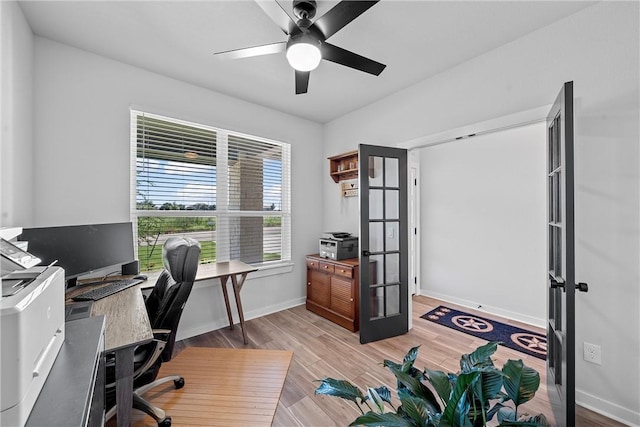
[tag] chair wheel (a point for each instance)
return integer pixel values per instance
(179, 383)
(165, 423)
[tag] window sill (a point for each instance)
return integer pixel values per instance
(271, 270)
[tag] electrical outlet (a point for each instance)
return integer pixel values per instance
(592, 353)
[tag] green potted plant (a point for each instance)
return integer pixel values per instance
(470, 398)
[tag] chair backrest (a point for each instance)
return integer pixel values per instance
(180, 256)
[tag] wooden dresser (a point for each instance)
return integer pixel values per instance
(332, 290)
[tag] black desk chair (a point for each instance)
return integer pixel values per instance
(181, 256)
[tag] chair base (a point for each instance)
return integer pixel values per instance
(158, 414)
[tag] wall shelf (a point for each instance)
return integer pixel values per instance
(344, 166)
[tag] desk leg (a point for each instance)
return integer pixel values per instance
(124, 385)
(237, 287)
(223, 282)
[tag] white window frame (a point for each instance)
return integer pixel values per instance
(222, 212)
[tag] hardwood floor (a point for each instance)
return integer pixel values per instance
(324, 349)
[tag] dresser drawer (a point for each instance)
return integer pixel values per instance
(327, 267)
(344, 271)
(313, 264)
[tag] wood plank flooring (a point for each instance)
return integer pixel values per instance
(223, 387)
(323, 349)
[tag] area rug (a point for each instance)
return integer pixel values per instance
(519, 339)
(223, 387)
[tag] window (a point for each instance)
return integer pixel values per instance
(229, 191)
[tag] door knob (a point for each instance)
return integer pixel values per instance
(557, 283)
(366, 253)
(582, 287)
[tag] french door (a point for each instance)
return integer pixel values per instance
(561, 259)
(384, 284)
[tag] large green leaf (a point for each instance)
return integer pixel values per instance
(480, 357)
(415, 408)
(458, 404)
(411, 355)
(387, 419)
(418, 389)
(376, 399)
(407, 363)
(340, 388)
(440, 382)
(409, 359)
(521, 382)
(384, 393)
(489, 384)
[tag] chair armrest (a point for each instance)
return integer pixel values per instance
(155, 351)
(158, 348)
(161, 334)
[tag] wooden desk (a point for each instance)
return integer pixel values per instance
(127, 326)
(237, 271)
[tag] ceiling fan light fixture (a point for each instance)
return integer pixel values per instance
(303, 53)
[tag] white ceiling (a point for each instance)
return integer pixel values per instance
(415, 39)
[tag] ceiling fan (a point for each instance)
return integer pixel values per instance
(307, 44)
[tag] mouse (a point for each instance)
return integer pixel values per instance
(140, 277)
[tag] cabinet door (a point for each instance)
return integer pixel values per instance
(318, 287)
(342, 296)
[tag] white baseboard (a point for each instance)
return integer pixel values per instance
(224, 321)
(608, 409)
(529, 320)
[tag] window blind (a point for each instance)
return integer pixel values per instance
(230, 191)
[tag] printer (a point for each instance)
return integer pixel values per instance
(31, 335)
(337, 245)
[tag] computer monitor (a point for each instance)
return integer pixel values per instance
(82, 249)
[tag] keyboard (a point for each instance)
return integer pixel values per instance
(105, 291)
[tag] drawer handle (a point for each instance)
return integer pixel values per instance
(351, 300)
(326, 266)
(308, 283)
(312, 263)
(342, 270)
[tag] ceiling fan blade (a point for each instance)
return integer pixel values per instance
(302, 81)
(340, 15)
(344, 57)
(265, 49)
(278, 15)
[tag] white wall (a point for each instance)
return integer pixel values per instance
(597, 48)
(484, 222)
(81, 151)
(16, 97)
